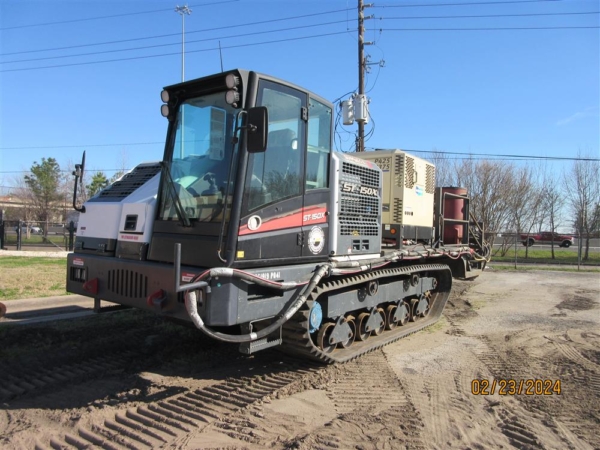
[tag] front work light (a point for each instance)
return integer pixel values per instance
(164, 95)
(164, 110)
(232, 97)
(232, 81)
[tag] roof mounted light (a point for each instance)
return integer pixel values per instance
(232, 97)
(164, 96)
(164, 110)
(232, 81)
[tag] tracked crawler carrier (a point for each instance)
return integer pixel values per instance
(256, 232)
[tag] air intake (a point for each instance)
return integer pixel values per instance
(127, 283)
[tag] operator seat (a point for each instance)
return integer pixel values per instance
(280, 155)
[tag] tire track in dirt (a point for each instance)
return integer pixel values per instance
(531, 420)
(373, 406)
(580, 380)
(39, 379)
(174, 421)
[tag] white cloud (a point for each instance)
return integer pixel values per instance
(587, 112)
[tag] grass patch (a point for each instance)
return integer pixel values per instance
(522, 267)
(32, 277)
(439, 325)
(37, 239)
(544, 256)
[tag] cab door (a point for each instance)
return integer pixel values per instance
(272, 210)
(316, 207)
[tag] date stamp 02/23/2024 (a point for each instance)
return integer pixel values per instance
(515, 387)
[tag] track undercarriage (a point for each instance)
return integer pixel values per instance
(353, 314)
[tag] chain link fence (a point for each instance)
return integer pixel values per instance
(519, 249)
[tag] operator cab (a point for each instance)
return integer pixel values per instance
(211, 178)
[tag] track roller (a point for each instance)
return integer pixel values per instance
(348, 342)
(390, 319)
(324, 337)
(415, 294)
(379, 329)
(402, 313)
(361, 327)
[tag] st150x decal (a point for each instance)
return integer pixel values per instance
(314, 216)
(356, 189)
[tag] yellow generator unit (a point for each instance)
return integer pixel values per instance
(407, 200)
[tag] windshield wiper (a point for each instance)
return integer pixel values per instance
(185, 221)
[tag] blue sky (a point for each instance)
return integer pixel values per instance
(532, 92)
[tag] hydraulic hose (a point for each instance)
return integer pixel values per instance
(192, 309)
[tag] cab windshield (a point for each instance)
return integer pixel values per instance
(199, 166)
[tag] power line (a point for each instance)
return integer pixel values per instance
(262, 22)
(300, 38)
(176, 43)
(511, 157)
(109, 17)
(489, 16)
(419, 5)
(171, 54)
(439, 152)
(82, 146)
(495, 28)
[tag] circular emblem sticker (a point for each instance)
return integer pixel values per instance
(316, 240)
(254, 223)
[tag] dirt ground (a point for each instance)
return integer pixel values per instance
(130, 380)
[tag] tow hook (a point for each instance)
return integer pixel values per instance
(157, 300)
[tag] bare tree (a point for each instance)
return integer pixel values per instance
(27, 212)
(524, 202)
(123, 167)
(552, 204)
(443, 168)
(488, 184)
(582, 185)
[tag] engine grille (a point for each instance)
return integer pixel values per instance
(128, 283)
(359, 213)
(129, 183)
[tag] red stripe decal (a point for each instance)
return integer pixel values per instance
(309, 215)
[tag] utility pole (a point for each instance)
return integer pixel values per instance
(356, 108)
(362, 65)
(182, 11)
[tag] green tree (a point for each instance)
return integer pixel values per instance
(99, 182)
(43, 183)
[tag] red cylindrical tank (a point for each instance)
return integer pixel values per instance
(454, 209)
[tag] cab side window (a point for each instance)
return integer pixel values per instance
(319, 145)
(276, 174)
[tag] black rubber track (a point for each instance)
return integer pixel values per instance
(296, 336)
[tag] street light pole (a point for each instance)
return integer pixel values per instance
(182, 11)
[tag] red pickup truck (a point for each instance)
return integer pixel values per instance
(546, 238)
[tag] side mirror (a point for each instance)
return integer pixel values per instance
(257, 129)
